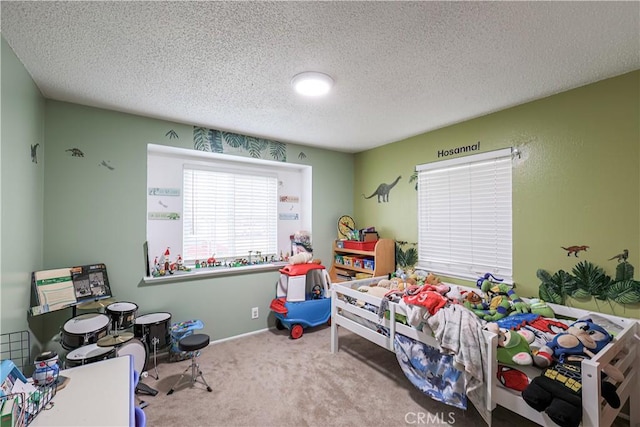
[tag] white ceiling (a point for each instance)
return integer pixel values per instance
(400, 68)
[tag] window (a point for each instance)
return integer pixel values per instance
(464, 216)
(228, 213)
(202, 204)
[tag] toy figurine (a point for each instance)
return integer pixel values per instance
(500, 300)
(167, 264)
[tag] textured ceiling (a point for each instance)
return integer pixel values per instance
(400, 68)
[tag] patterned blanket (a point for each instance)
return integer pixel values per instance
(431, 372)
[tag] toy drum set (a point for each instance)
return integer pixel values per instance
(93, 337)
(153, 329)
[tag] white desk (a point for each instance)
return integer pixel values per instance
(98, 394)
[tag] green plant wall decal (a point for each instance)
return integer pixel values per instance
(408, 258)
(555, 288)
(589, 280)
(216, 141)
(625, 292)
(414, 178)
(624, 271)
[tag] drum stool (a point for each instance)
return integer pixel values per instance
(192, 343)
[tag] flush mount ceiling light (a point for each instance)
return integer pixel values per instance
(311, 83)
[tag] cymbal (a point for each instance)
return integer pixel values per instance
(92, 305)
(111, 340)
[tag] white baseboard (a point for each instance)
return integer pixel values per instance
(238, 336)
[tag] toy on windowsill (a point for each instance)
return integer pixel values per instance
(302, 252)
(558, 391)
(164, 266)
(164, 260)
(500, 300)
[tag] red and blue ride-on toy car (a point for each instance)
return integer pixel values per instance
(302, 298)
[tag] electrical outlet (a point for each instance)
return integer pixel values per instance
(254, 313)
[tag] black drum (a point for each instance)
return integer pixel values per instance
(88, 354)
(84, 329)
(122, 315)
(154, 329)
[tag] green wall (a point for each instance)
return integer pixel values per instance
(576, 183)
(21, 189)
(93, 214)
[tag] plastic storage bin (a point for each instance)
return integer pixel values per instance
(361, 246)
(369, 264)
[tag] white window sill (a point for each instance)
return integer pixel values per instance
(201, 273)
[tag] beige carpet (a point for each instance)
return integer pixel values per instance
(267, 379)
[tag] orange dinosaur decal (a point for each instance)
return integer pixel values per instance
(574, 249)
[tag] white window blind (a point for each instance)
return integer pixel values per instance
(228, 213)
(464, 216)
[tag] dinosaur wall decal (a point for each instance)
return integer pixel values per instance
(621, 257)
(383, 191)
(574, 249)
(75, 152)
(172, 134)
(106, 165)
(34, 152)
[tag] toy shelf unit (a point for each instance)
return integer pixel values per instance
(360, 260)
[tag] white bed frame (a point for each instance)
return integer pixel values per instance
(623, 352)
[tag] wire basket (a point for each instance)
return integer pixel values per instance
(19, 408)
(15, 346)
(25, 406)
(42, 398)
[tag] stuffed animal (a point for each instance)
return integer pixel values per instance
(470, 297)
(513, 346)
(377, 291)
(541, 328)
(300, 258)
(583, 338)
(501, 300)
(558, 391)
(540, 307)
(431, 279)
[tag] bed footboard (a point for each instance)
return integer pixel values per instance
(622, 353)
(365, 323)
